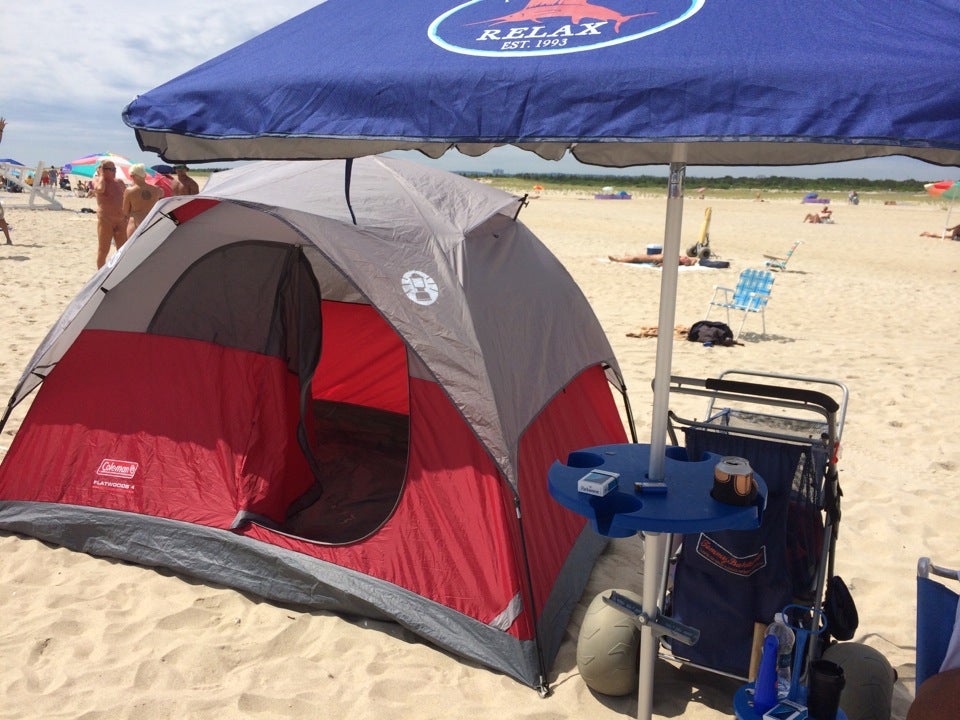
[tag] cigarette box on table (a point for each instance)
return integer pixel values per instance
(598, 482)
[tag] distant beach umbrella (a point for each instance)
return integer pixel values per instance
(87, 165)
(945, 188)
(948, 189)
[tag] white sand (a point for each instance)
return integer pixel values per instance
(868, 302)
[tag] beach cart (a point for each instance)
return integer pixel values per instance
(729, 585)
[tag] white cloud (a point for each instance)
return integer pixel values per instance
(69, 68)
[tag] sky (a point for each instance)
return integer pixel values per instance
(69, 67)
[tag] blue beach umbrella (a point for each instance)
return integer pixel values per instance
(615, 83)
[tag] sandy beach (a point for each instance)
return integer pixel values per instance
(866, 301)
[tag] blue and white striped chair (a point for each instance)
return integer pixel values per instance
(750, 296)
(777, 262)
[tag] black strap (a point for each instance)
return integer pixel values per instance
(348, 171)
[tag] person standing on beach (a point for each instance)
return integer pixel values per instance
(183, 184)
(111, 219)
(139, 199)
(3, 221)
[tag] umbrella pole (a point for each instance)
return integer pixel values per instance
(946, 223)
(667, 318)
(654, 544)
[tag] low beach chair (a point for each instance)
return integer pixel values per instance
(779, 262)
(750, 296)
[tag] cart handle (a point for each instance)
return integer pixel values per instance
(805, 395)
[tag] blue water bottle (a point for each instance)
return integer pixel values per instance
(765, 689)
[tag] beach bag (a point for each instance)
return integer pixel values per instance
(704, 331)
(841, 611)
(714, 263)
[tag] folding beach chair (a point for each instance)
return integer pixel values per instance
(778, 262)
(750, 296)
(936, 618)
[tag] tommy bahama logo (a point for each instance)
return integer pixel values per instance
(543, 27)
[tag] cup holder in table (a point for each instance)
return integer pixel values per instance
(583, 459)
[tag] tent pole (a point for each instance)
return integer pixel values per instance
(654, 544)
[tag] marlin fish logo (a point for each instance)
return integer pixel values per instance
(552, 27)
(577, 10)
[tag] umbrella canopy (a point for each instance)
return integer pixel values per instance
(10, 161)
(949, 189)
(614, 82)
(739, 83)
(88, 164)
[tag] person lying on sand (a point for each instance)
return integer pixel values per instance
(952, 233)
(651, 259)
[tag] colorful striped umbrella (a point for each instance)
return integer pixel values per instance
(949, 189)
(88, 164)
(945, 188)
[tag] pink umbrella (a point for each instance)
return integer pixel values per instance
(161, 181)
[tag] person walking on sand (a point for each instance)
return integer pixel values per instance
(139, 199)
(183, 184)
(111, 219)
(3, 221)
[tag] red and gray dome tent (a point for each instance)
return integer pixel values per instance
(345, 406)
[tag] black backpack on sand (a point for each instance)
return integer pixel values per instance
(709, 331)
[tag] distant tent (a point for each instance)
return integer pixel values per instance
(356, 416)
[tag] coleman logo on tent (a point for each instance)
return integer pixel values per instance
(121, 469)
(420, 287)
(549, 27)
(118, 468)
